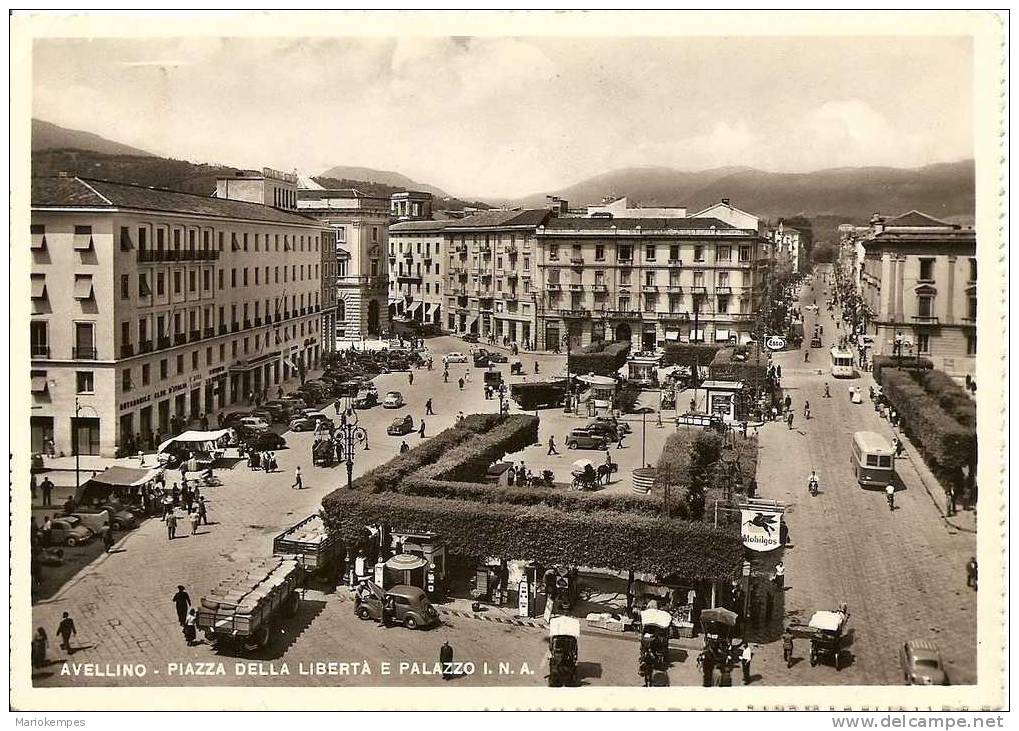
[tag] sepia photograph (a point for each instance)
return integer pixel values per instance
(507, 360)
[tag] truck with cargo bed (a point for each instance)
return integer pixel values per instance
(308, 543)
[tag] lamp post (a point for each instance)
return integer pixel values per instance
(350, 435)
(569, 381)
(503, 408)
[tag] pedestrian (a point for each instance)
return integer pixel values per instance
(181, 602)
(70, 505)
(467, 377)
(446, 660)
(461, 382)
(774, 413)
(193, 519)
(787, 649)
(619, 439)
(203, 515)
(744, 660)
(191, 627)
(537, 368)
(66, 630)
(788, 403)
(421, 429)
(779, 371)
(971, 573)
(40, 643)
(789, 419)
(752, 488)
(167, 503)
(780, 576)
(47, 491)
(445, 376)
(428, 408)
(827, 393)
(175, 494)
(298, 482)
(410, 378)
(171, 525)
(188, 497)
(108, 538)
(404, 447)
(551, 446)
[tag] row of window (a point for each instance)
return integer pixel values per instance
(191, 238)
(651, 279)
(927, 269)
(295, 272)
(625, 252)
(677, 303)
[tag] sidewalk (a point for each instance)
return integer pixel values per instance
(963, 520)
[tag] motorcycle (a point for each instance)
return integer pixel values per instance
(813, 487)
(890, 497)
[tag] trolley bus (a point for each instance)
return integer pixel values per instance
(842, 363)
(872, 459)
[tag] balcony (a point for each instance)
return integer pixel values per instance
(577, 261)
(925, 319)
(40, 351)
(696, 289)
(208, 332)
(675, 262)
(147, 256)
(675, 316)
(162, 343)
(195, 335)
(511, 249)
(574, 313)
(511, 275)
(145, 346)
(553, 286)
(624, 261)
(623, 314)
(675, 288)
(223, 329)
(246, 324)
(649, 288)
(126, 350)
(180, 339)
(485, 249)
(235, 327)
(84, 353)
(599, 288)
(408, 255)
(723, 290)
(576, 287)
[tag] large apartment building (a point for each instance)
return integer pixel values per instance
(919, 282)
(417, 266)
(650, 281)
(149, 304)
(360, 225)
(491, 274)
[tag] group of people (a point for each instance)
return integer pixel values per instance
(262, 460)
(187, 615)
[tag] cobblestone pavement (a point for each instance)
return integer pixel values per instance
(902, 573)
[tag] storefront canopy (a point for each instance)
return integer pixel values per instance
(125, 476)
(196, 437)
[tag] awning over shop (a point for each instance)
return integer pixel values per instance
(39, 384)
(745, 338)
(125, 476)
(593, 380)
(672, 334)
(414, 307)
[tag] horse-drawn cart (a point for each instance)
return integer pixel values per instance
(826, 632)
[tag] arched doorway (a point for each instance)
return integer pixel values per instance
(623, 332)
(373, 317)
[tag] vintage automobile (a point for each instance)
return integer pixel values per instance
(563, 636)
(815, 342)
(454, 357)
(470, 338)
(498, 357)
(393, 400)
(585, 439)
(366, 399)
(69, 530)
(410, 604)
(279, 412)
(260, 441)
(253, 422)
(482, 358)
(310, 422)
(921, 663)
(400, 427)
(621, 427)
(605, 428)
(493, 378)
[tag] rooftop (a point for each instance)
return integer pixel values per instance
(421, 226)
(76, 192)
(502, 219)
(645, 224)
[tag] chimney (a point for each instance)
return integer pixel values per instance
(725, 201)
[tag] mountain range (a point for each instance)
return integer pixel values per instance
(943, 190)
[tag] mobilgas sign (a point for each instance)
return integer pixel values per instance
(761, 529)
(774, 342)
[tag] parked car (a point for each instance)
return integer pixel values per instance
(366, 399)
(412, 608)
(621, 427)
(498, 357)
(257, 423)
(585, 439)
(921, 663)
(400, 427)
(470, 338)
(393, 400)
(261, 441)
(232, 418)
(604, 428)
(481, 358)
(69, 530)
(310, 422)
(282, 411)
(454, 357)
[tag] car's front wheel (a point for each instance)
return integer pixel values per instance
(411, 623)
(71, 541)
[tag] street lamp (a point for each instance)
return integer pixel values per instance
(569, 381)
(350, 435)
(503, 406)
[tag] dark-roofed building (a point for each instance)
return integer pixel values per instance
(152, 307)
(417, 264)
(649, 280)
(919, 286)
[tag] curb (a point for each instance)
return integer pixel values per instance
(346, 596)
(919, 473)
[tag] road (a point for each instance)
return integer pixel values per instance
(902, 573)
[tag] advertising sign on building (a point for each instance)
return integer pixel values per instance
(761, 529)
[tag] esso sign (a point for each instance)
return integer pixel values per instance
(774, 343)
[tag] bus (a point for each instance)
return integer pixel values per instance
(842, 363)
(872, 459)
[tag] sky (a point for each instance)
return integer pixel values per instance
(504, 117)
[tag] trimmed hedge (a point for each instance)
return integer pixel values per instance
(880, 362)
(945, 444)
(531, 396)
(674, 464)
(472, 457)
(688, 354)
(539, 533)
(950, 395)
(724, 366)
(599, 358)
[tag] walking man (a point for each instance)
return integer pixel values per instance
(181, 602)
(47, 491)
(551, 446)
(461, 382)
(428, 408)
(971, 573)
(410, 378)
(298, 482)
(202, 514)
(171, 525)
(66, 630)
(787, 649)
(421, 430)
(404, 447)
(744, 660)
